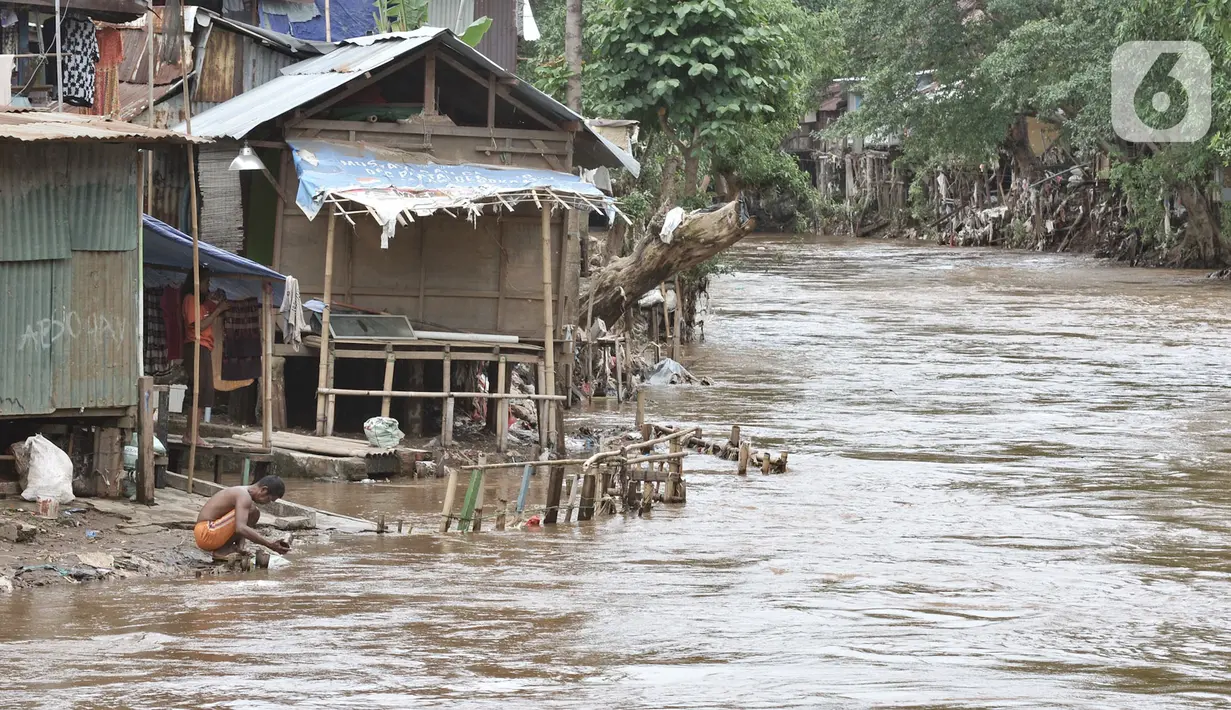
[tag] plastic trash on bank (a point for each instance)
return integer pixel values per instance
(383, 432)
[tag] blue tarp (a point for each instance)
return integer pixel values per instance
(381, 180)
(171, 249)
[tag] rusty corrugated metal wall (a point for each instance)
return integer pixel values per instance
(69, 318)
(94, 298)
(500, 42)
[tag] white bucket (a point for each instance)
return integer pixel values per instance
(177, 394)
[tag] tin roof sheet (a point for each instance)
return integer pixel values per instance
(311, 79)
(29, 126)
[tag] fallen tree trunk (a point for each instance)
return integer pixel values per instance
(617, 286)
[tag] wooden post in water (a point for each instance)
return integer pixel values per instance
(640, 408)
(745, 453)
(555, 482)
(446, 514)
(765, 463)
(570, 485)
(647, 496)
(478, 504)
(588, 485)
(502, 514)
(735, 436)
(784, 455)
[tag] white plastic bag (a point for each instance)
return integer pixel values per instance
(383, 432)
(51, 471)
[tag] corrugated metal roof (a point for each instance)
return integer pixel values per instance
(31, 126)
(94, 362)
(311, 79)
(26, 335)
(33, 223)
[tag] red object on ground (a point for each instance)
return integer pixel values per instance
(533, 522)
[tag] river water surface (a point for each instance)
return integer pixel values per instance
(1009, 488)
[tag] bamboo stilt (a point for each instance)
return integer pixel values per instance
(446, 513)
(322, 378)
(549, 349)
(446, 415)
(502, 405)
(745, 453)
(640, 408)
(478, 505)
(679, 310)
(267, 358)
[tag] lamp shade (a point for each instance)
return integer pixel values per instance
(247, 160)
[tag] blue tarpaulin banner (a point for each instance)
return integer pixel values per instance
(389, 184)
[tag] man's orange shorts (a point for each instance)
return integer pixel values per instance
(213, 534)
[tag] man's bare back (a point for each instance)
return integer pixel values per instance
(230, 516)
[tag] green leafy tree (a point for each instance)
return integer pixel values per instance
(995, 61)
(696, 70)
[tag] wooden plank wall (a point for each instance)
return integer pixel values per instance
(483, 278)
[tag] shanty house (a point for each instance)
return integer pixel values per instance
(70, 270)
(418, 178)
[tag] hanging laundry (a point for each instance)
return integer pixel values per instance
(173, 320)
(221, 383)
(294, 325)
(79, 44)
(107, 72)
(241, 350)
(156, 360)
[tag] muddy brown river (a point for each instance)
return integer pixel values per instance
(1010, 488)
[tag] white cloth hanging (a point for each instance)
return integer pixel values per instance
(294, 325)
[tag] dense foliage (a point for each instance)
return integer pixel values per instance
(716, 85)
(996, 61)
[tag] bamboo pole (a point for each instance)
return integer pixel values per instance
(619, 374)
(502, 405)
(446, 513)
(679, 309)
(323, 371)
(267, 356)
(590, 346)
(745, 453)
(478, 505)
(194, 216)
(446, 411)
(549, 387)
(328, 24)
(640, 408)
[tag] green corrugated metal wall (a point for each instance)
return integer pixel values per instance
(68, 274)
(33, 221)
(26, 333)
